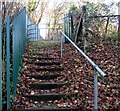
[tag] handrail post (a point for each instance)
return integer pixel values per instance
(95, 90)
(61, 46)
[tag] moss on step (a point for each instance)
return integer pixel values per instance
(43, 44)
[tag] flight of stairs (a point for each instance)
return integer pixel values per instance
(45, 63)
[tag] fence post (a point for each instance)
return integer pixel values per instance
(95, 90)
(61, 45)
(34, 33)
(118, 25)
(37, 33)
(67, 25)
(69, 28)
(0, 64)
(72, 27)
(64, 27)
(8, 60)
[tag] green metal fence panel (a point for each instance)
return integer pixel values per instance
(0, 64)
(8, 60)
(19, 42)
(68, 26)
(65, 26)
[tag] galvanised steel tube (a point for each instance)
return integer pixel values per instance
(95, 91)
(91, 62)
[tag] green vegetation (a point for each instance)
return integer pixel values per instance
(43, 44)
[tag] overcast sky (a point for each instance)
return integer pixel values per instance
(103, 1)
(52, 2)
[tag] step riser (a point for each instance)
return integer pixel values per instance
(44, 77)
(45, 86)
(44, 64)
(46, 58)
(40, 58)
(45, 69)
(44, 97)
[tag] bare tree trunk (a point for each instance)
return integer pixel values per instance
(85, 29)
(106, 28)
(118, 41)
(43, 7)
(78, 27)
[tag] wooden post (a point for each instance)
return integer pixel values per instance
(72, 26)
(0, 57)
(118, 25)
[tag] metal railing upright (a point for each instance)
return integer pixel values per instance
(96, 68)
(33, 31)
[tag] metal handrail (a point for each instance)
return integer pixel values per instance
(93, 64)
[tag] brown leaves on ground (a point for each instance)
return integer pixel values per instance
(79, 73)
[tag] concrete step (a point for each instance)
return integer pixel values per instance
(36, 53)
(44, 77)
(45, 86)
(40, 58)
(43, 63)
(46, 63)
(46, 69)
(46, 97)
